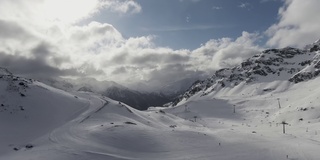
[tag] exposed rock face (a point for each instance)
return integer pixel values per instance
(312, 70)
(113, 90)
(5, 72)
(15, 83)
(290, 64)
(137, 100)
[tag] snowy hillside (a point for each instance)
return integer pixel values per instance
(257, 110)
(136, 99)
(176, 88)
(203, 128)
(29, 109)
(287, 64)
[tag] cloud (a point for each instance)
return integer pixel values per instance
(188, 19)
(298, 24)
(159, 66)
(119, 70)
(169, 73)
(184, 28)
(31, 45)
(29, 37)
(10, 29)
(225, 52)
(216, 7)
(139, 59)
(40, 12)
(121, 6)
(33, 67)
(94, 35)
(244, 5)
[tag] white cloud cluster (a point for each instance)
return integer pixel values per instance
(121, 6)
(64, 11)
(32, 44)
(225, 52)
(298, 25)
(217, 8)
(244, 5)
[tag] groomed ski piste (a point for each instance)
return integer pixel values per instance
(242, 123)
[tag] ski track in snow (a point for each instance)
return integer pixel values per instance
(100, 132)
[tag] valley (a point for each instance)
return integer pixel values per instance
(159, 80)
(204, 127)
(266, 108)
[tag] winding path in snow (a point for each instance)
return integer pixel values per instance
(100, 133)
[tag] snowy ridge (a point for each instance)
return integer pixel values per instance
(309, 72)
(136, 99)
(29, 109)
(241, 122)
(287, 64)
(4, 72)
(176, 88)
(238, 113)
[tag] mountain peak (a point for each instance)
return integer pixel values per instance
(286, 64)
(314, 46)
(5, 72)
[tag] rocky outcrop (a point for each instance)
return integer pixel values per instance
(291, 64)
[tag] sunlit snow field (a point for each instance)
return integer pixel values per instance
(233, 123)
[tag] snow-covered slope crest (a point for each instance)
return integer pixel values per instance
(242, 126)
(136, 99)
(313, 69)
(29, 109)
(4, 72)
(115, 131)
(286, 64)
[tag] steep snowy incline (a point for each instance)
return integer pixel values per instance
(202, 128)
(117, 131)
(29, 109)
(257, 110)
(134, 98)
(254, 113)
(287, 64)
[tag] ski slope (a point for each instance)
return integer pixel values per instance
(30, 109)
(83, 126)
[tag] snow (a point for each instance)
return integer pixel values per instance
(242, 122)
(23, 119)
(4, 71)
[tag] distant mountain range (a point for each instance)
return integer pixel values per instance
(286, 64)
(136, 99)
(29, 109)
(254, 110)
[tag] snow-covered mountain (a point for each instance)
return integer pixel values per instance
(5, 72)
(84, 84)
(287, 64)
(176, 88)
(29, 109)
(257, 110)
(136, 99)
(239, 122)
